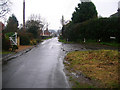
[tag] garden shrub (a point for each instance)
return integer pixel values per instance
(25, 38)
(5, 43)
(33, 42)
(14, 47)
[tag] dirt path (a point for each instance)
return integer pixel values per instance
(82, 47)
(21, 48)
(99, 46)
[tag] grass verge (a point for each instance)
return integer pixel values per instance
(114, 44)
(6, 52)
(64, 41)
(110, 44)
(100, 65)
(77, 84)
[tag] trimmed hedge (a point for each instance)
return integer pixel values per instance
(94, 29)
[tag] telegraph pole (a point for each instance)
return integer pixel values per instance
(24, 15)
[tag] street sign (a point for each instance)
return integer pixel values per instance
(112, 37)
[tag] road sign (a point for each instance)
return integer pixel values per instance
(112, 37)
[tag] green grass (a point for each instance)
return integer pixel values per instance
(64, 41)
(70, 78)
(6, 52)
(114, 44)
(79, 85)
(110, 44)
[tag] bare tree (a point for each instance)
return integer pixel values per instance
(37, 18)
(85, 0)
(4, 7)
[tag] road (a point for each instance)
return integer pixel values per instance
(42, 67)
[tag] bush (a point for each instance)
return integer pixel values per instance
(38, 40)
(5, 43)
(25, 38)
(14, 47)
(33, 42)
(7, 35)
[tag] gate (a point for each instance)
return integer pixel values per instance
(13, 39)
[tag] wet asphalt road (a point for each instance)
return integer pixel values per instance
(42, 67)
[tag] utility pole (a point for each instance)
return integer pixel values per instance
(24, 15)
(62, 21)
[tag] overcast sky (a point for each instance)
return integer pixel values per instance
(52, 10)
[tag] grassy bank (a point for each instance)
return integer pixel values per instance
(6, 52)
(114, 44)
(100, 65)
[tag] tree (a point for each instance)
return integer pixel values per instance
(31, 23)
(5, 43)
(34, 25)
(4, 7)
(63, 23)
(36, 20)
(34, 31)
(84, 11)
(12, 24)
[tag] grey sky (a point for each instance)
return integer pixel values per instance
(52, 10)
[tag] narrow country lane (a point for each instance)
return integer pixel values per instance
(42, 67)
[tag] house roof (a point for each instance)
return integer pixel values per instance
(117, 14)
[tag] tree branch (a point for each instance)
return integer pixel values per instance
(4, 7)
